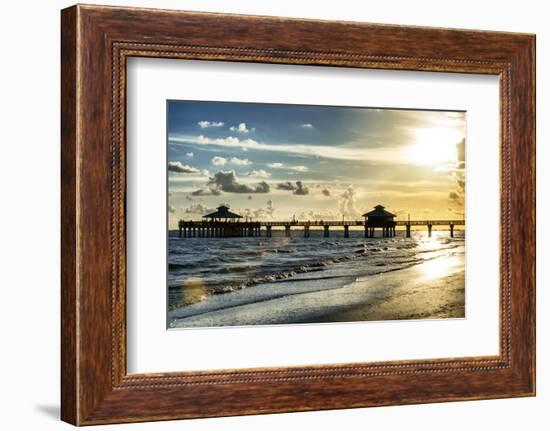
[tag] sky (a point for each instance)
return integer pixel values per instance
(279, 161)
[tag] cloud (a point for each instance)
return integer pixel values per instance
(207, 191)
(297, 168)
(208, 124)
(190, 155)
(259, 213)
(239, 162)
(260, 173)
(347, 202)
(301, 189)
(286, 186)
(461, 151)
(325, 192)
(384, 154)
(457, 199)
(221, 161)
(241, 128)
(218, 161)
(307, 126)
(181, 168)
(270, 209)
(197, 209)
(457, 196)
(322, 215)
(298, 188)
(228, 182)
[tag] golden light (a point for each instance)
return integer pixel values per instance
(438, 267)
(193, 290)
(434, 146)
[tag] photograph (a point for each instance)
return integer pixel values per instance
(296, 214)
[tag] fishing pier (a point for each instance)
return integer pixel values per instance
(224, 224)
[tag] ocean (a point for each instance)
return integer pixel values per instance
(259, 280)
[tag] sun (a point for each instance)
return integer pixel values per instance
(434, 146)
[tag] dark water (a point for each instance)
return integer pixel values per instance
(201, 267)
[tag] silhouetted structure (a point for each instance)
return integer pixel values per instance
(222, 213)
(224, 223)
(381, 218)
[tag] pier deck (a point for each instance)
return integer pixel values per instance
(223, 229)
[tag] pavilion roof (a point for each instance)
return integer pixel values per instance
(379, 211)
(222, 212)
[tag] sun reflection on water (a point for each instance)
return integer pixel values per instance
(437, 265)
(193, 290)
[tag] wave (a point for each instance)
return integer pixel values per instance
(230, 265)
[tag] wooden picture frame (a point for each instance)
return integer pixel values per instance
(95, 43)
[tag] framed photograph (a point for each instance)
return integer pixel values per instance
(289, 243)
(264, 215)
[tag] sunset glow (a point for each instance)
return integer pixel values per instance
(435, 146)
(280, 162)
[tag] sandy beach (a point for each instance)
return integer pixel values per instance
(426, 294)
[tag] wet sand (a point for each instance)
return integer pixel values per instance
(433, 290)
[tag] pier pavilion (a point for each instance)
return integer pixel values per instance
(381, 218)
(222, 223)
(222, 214)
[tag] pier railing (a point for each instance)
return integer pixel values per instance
(222, 229)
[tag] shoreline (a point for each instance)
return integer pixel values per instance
(422, 298)
(433, 289)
